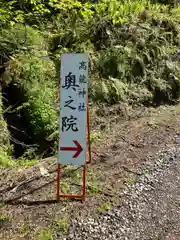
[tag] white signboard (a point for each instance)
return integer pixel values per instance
(73, 104)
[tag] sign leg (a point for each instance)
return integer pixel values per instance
(58, 182)
(88, 132)
(84, 183)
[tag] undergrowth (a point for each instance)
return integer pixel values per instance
(133, 49)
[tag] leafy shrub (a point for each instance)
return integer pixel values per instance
(20, 37)
(138, 68)
(5, 147)
(43, 118)
(35, 75)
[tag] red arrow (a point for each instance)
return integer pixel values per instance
(78, 149)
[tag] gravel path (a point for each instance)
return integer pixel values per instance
(150, 208)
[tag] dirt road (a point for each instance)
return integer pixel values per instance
(149, 209)
(133, 188)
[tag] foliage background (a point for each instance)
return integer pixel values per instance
(133, 47)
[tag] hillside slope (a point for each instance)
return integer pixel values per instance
(134, 60)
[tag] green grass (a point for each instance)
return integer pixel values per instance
(23, 228)
(45, 234)
(104, 207)
(130, 180)
(4, 218)
(61, 225)
(21, 162)
(65, 187)
(93, 187)
(95, 136)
